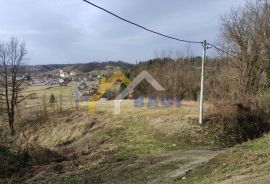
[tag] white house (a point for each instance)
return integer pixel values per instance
(64, 74)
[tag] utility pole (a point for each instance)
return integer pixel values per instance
(202, 82)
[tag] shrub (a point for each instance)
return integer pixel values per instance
(12, 161)
(232, 123)
(52, 99)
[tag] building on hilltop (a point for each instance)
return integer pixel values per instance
(65, 74)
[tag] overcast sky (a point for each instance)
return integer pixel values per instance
(71, 31)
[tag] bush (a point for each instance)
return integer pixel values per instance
(233, 123)
(52, 99)
(263, 103)
(11, 162)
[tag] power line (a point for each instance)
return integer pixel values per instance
(142, 27)
(230, 54)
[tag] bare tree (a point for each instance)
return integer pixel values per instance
(245, 33)
(12, 58)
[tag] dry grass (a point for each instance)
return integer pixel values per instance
(102, 147)
(248, 159)
(82, 141)
(244, 163)
(41, 92)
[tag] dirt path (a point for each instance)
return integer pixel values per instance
(180, 162)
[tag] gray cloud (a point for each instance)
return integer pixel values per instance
(61, 31)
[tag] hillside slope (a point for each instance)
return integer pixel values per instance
(247, 163)
(137, 147)
(80, 67)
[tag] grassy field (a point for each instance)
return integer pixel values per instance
(246, 164)
(41, 96)
(136, 146)
(42, 93)
(139, 145)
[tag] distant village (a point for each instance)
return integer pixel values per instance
(84, 86)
